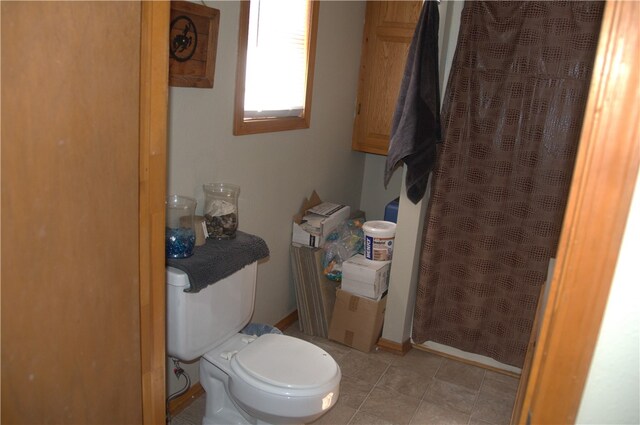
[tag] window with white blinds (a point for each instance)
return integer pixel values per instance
(275, 65)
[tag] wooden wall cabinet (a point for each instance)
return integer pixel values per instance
(388, 31)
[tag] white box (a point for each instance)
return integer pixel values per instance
(365, 277)
(318, 222)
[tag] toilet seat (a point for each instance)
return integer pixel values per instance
(285, 365)
(277, 378)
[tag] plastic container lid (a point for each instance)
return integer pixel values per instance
(380, 228)
(286, 362)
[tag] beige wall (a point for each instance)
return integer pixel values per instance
(375, 196)
(611, 392)
(275, 171)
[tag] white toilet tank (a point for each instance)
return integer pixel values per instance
(198, 322)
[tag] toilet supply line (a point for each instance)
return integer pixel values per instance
(179, 372)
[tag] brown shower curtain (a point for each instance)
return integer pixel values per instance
(512, 116)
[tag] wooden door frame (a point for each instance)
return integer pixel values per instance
(154, 71)
(603, 183)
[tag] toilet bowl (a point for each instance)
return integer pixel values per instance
(270, 379)
(273, 378)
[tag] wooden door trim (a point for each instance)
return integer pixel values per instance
(603, 183)
(154, 66)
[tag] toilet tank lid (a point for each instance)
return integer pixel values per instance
(286, 362)
(177, 277)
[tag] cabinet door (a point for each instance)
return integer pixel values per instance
(388, 31)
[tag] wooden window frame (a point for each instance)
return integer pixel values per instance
(267, 125)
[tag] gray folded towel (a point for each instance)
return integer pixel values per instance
(217, 259)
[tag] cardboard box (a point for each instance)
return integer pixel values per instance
(365, 277)
(357, 321)
(316, 220)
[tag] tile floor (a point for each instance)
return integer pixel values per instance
(419, 388)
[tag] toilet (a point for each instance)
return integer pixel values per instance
(267, 379)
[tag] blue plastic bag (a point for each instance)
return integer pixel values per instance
(343, 243)
(258, 329)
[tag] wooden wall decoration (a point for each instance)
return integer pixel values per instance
(193, 42)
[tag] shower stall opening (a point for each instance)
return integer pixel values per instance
(512, 115)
